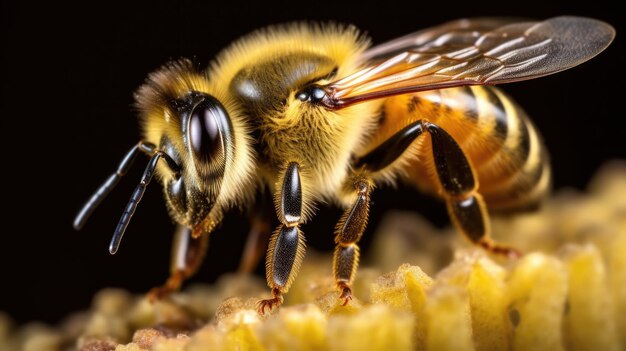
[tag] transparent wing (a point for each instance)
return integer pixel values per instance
(470, 52)
(464, 31)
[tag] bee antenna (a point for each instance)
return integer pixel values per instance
(111, 182)
(137, 195)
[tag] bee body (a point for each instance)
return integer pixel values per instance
(501, 142)
(313, 114)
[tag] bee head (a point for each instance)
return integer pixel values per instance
(203, 133)
(202, 148)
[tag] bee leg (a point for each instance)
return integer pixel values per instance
(260, 230)
(465, 205)
(187, 255)
(348, 232)
(456, 176)
(286, 247)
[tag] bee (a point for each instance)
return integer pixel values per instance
(304, 113)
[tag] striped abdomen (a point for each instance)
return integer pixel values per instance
(504, 148)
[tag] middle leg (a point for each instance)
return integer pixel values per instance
(348, 232)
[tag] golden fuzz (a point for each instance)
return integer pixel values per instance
(334, 135)
(342, 44)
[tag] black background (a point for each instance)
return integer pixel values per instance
(68, 74)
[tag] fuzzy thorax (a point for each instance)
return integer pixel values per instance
(265, 71)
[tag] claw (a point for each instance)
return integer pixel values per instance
(275, 301)
(346, 293)
(509, 252)
(171, 285)
(158, 293)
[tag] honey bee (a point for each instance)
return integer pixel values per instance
(308, 113)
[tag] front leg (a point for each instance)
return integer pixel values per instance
(259, 235)
(286, 247)
(187, 256)
(348, 232)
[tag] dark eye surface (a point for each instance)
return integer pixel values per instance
(205, 134)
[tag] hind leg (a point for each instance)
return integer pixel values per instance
(455, 174)
(466, 206)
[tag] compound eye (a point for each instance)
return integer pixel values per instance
(205, 129)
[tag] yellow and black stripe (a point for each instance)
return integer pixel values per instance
(505, 150)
